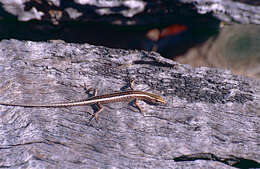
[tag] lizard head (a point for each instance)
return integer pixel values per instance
(155, 99)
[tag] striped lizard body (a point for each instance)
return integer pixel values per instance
(102, 99)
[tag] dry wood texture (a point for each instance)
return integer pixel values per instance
(211, 119)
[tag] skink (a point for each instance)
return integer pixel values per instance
(102, 99)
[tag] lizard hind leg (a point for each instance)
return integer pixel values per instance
(132, 81)
(88, 90)
(138, 106)
(95, 114)
(100, 107)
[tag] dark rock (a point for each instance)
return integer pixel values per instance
(116, 12)
(131, 12)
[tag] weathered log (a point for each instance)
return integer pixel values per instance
(211, 119)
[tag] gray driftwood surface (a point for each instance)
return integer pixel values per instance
(211, 119)
(241, 11)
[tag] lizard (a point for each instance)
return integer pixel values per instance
(102, 99)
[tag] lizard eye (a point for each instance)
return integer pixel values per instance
(155, 101)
